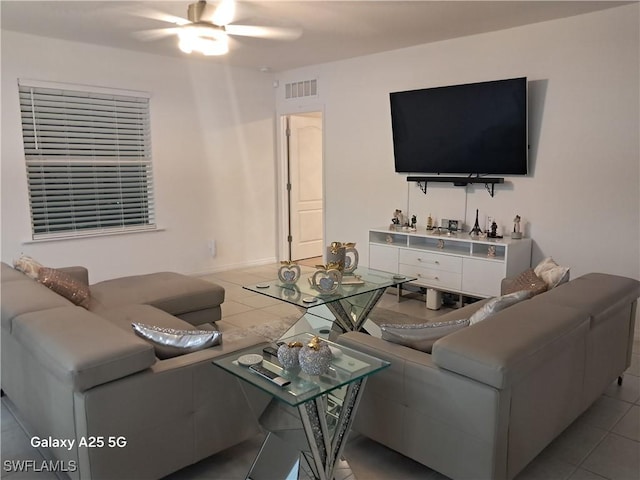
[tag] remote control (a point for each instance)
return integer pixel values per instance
(269, 375)
(271, 351)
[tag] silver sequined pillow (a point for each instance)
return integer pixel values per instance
(169, 342)
(497, 304)
(420, 336)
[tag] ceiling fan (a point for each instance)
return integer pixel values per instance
(207, 28)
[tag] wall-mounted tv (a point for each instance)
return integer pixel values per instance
(474, 129)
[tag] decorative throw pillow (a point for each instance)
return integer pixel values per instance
(28, 266)
(420, 336)
(552, 273)
(498, 303)
(527, 280)
(65, 285)
(169, 342)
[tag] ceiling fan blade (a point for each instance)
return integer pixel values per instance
(156, 33)
(224, 13)
(158, 15)
(276, 33)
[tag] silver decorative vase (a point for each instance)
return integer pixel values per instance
(315, 357)
(288, 355)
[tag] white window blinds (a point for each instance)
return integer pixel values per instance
(88, 158)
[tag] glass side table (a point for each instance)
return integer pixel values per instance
(349, 306)
(308, 420)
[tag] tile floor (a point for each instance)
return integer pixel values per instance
(604, 443)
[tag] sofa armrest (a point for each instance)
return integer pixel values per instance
(81, 274)
(80, 348)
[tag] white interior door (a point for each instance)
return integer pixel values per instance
(305, 179)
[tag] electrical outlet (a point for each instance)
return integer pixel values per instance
(212, 247)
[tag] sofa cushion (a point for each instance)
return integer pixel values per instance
(65, 285)
(172, 292)
(10, 274)
(171, 342)
(27, 295)
(420, 336)
(81, 348)
(124, 315)
(496, 304)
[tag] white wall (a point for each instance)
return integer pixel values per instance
(214, 154)
(581, 203)
(212, 131)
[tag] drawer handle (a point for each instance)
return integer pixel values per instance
(435, 261)
(419, 275)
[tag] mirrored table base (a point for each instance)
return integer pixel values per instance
(306, 442)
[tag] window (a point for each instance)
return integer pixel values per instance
(88, 158)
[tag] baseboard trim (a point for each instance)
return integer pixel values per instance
(233, 266)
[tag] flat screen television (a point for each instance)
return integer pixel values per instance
(474, 129)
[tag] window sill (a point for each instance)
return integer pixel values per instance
(92, 235)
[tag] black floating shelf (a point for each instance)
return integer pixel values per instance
(489, 182)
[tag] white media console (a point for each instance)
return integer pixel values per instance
(452, 263)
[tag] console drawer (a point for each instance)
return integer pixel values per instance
(436, 261)
(431, 277)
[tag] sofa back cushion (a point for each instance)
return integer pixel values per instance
(21, 294)
(506, 347)
(596, 294)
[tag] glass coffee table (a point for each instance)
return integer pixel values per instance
(345, 310)
(308, 420)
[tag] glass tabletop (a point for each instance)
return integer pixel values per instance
(347, 365)
(304, 294)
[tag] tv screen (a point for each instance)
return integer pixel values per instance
(476, 128)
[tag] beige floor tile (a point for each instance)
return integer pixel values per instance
(605, 412)
(629, 425)
(543, 468)
(369, 460)
(285, 310)
(581, 474)
(575, 443)
(617, 458)
(231, 307)
(629, 391)
(258, 301)
(251, 318)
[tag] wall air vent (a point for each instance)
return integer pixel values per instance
(306, 88)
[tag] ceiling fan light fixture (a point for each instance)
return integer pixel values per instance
(207, 40)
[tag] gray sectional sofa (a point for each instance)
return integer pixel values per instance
(492, 395)
(82, 374)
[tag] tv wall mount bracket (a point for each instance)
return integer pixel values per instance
(489, 182)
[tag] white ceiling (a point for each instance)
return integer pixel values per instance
(332, 30)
